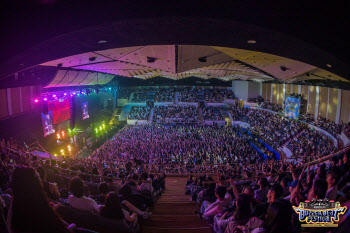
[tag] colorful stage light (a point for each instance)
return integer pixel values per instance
(100, 128)
(65, 94)
(45, 99)
(55, 155)
(103, 125)
(54, 96)
(36, 100)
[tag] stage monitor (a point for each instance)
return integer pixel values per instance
(292, 109)
(47, 123)
(60, 109)
(85, 110)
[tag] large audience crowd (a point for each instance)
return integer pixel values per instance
(139, 113)
(328, 125)
(175, 114)
(274, 129)
(262, 201)
(117, 184)
(271, 106)
(184, 94)
(165, 95)
(213, 113)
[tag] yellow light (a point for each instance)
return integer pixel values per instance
(69, 149)
(62, 150)
(55, 155)
(100, 128)
(103, 125)
(68, 146)
(58, 136)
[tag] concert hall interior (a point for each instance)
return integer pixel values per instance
(164, 116)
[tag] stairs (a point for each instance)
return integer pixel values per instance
(150, 119)
(201, 118)
(116, 115)
(175, 98)
(230, 116)
(174, 212)
(131, 96)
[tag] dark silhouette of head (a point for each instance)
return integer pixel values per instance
(31, 211)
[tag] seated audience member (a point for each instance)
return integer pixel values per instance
(332, 181)
(78, 200)
(277, 220)
(30, 210)
(113, 209)
(261, 193)
(211, 209)
(103, 190)
(50, 189)
(240, 216)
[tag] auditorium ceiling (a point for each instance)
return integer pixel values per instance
(181, 61)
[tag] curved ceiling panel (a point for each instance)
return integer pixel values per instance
(180, 61)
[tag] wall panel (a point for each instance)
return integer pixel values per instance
(3, 103)
(312, 100)
(323, 102)
(15, 101)
(280, 94)
(295, 89)
(333, 103)
(26, 100)
(288, 89)
(264, 91)
(268, 91)
(345, 106)
(274, 93)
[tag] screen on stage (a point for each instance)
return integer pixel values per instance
(60, 110)
(47, 123)
(292, 109)
(85, 110)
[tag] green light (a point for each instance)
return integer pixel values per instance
(103, 125)
(100, 128)
(96, 129)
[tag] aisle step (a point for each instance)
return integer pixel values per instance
(176, 224)
(176, 218)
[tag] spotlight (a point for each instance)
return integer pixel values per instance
(202, 59)
(45, 99)
(55, 155)
(100, 128)
(54, 96)
(65, 94)
(151, 59)
(36, 100)
(92, 58)
(283, 68)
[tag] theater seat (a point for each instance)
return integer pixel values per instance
(91, 221)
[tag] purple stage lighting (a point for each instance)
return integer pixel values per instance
(36, 100)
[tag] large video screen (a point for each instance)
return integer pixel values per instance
(292, 109)
(85, 110)
(60, 110)
(47, 123)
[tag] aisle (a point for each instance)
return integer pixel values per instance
(174, 212)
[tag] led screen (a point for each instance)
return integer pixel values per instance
(292, 109)
(60, 110)
(85, 110)
(47, 123)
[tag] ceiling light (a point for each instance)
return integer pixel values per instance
(102, 41)
(251, 41)
(328, 65)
